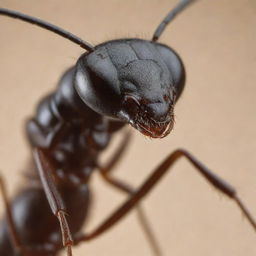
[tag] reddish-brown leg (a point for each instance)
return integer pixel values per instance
(145, 224)
(153, 179)
(45, 171)
(127, 189)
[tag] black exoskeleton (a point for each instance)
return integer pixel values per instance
(119, 82)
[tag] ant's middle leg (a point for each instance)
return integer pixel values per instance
(153, 179)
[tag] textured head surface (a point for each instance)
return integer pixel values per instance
(132, 80)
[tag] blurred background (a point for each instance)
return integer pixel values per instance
(215, 117)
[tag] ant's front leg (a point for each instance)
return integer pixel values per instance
(106, 174)
(13, 235)
(45, 171)
(153, 179)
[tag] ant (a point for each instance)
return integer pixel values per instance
(60, 138)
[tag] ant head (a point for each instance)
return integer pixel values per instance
(133, 80)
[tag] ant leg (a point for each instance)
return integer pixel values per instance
(17, 245)
(45, 171)
(145, 224)
(124, 187)
(119, 152)
(153, 179)
(19, 248)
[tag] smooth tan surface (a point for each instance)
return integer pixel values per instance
(215, 118)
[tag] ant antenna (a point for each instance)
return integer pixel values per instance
(43, 24)
(170, 16)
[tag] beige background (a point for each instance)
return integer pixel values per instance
(215, 118)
